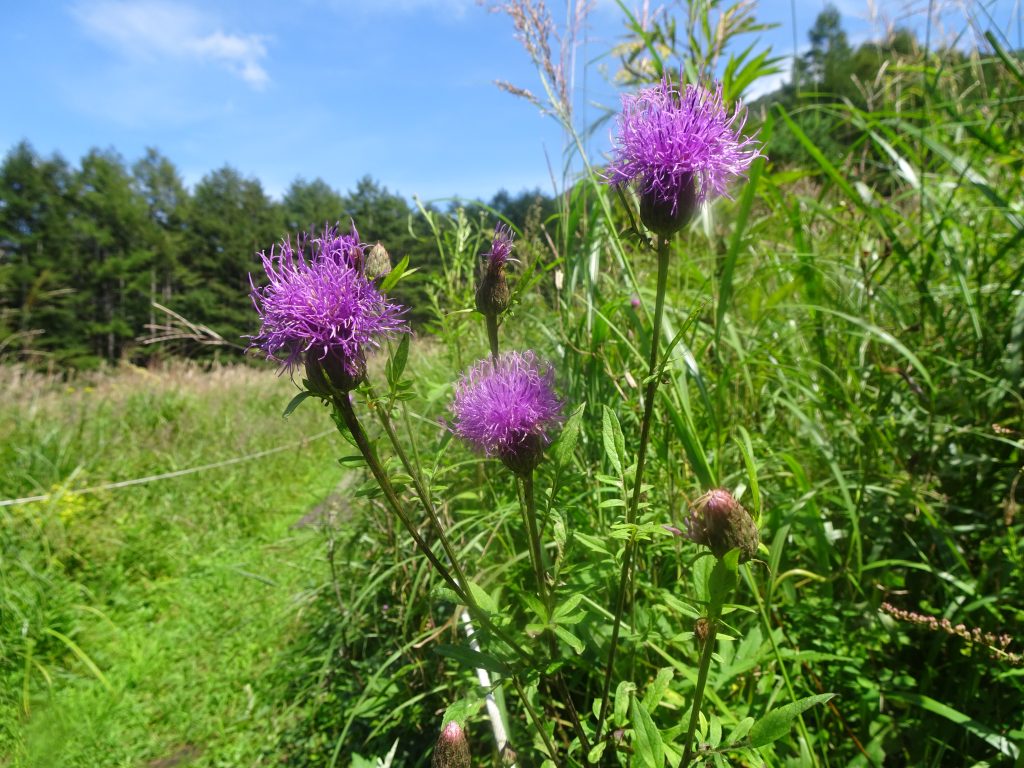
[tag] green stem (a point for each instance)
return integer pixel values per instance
(766, 622)
(702, 679)
(492, 334)
(343, 404)
(530, 506)
(634, 504)
(547, 596)
(537, 724)
(423, 494)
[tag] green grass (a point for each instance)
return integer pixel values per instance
(143, 624)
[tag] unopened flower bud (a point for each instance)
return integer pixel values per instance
(720, 523)
(665, 217)
(492, 294)
(452, 749)
(378, 262)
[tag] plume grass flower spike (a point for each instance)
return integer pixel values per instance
(507, 407)
(679, 147)
(321, 311)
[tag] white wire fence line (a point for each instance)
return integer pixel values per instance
(166, 475)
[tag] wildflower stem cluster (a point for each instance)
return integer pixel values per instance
(325, 310)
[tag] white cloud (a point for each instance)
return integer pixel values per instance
(454, 9)
(152, 30)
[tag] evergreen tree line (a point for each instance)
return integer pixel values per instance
(88, 255)
(833, 80)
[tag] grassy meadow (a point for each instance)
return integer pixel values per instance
(142, 625)
(845, 354)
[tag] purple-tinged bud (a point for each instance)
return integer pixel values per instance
(524, 456)
(664, 216)
(378, 262)
(720, 523)
(492, 294)
(452, 749)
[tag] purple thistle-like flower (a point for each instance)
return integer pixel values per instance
(680, 147)
(321, 308)
(501, 246)
(506, 408)
(345, 249)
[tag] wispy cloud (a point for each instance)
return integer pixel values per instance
(154, 30)
(452, 9)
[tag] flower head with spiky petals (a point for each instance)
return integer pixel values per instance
(679, 147)
(345, 249)
(322, 309)
(501, 246)
(507, 407)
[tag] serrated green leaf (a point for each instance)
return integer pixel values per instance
(656, 690)
(647, 743)
(722, 579)
(396, 365)
(564, 447)
(391, 278)
(568, 606)
(611, 434)
(295, 402)
(622, 694)
(460, 711)
(777, 723)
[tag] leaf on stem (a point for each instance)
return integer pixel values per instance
(777, 723)
(647, 743)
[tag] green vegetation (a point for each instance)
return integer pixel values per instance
(144, 623)
(849, 364)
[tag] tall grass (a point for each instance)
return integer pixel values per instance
(139, 624)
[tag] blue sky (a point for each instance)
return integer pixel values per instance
(401, 90)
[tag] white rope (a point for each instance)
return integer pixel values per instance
(164, 475)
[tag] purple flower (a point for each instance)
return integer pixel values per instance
(505, 408)
(680, 147)
(501, 246)
(345, 249)
(322, 309)
(492, 293)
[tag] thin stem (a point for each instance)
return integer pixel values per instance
(537, 724)
(492, 334)
(702, 679)
(762, 610)
(547, 596)
(423, 494)
(530, 507)
(343, 404)
(634, 504)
